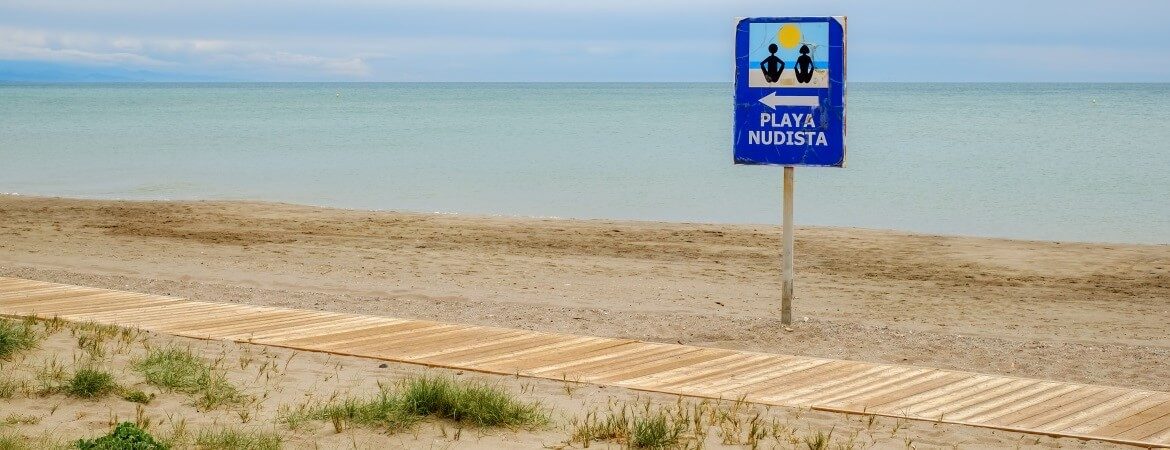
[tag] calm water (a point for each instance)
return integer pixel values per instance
(1045, 161)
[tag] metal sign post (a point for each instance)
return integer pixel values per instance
(786, 298)
(789, 105)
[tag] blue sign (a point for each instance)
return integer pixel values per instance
(790, 91)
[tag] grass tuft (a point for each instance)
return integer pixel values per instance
(137, 396)
(16, 338)
(230, 439)
(472, 403)
(656, 430)
(11, 442)
(173, 368)
(180, 370)
(90, 383)
(469, 403)
(9, 388)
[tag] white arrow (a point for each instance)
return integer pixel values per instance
(773, 100)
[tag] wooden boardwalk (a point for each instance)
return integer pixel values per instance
(1027, 405)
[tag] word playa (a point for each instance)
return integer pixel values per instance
(800, 136)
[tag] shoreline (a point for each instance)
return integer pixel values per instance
(501, 216)
(1090, 313)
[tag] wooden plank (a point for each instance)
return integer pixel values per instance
(406, 339)
(229, 320)
(1040, 406)
(633, 354)
(1066, 409)
(516, 360)
(808, 395)
(1102, 417)
(1038, 389)
(958, 401)
(553, 361)
(722, 368)
(989, 415)
(1162, 439)
(789, 378)
(194, 314)
(32, 295)
(63, 306)
(400, 348)
(503, 350)
(783, 385)
(357, 334)
(100, 303)
(1118, 427)
(17, 284)
(1147, 430)
(154, 318)
(508, 341)
(875, 400)
(331, 326)
(907, 375)
(742, 382)
(143, 313)
(292, 323)
(627, 376)
(1036, 421)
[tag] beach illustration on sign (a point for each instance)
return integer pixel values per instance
(783, 55)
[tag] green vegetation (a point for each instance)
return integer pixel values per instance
(174, 368)
(656, 431)
(643, 429)
(819, 441)
(180, 370)
(469, 403)
(126, 436)
(8, 442)
(138, 397)
(8, 388)
(90, 383)
(237, 440)
(16, 338)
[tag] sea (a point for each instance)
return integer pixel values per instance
(1067, 162)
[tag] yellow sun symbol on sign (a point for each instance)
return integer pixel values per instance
(789, 35)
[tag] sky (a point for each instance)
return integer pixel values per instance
(583, 40)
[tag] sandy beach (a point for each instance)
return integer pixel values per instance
(1094, 313)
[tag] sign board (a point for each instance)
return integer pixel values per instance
(790, 91)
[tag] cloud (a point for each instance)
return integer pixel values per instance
(610, 40)
(169, 53)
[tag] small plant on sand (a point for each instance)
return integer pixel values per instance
(137, 396)
(472, 403)
(656, 431)
(819, 441)
(231, 439)
(180, 370)
(16, 338)
(636, 428)
(9, 388)
(469, 403)
(126, 436)
(173, 368)
(22, 419)
(9, 442)
(90, 383)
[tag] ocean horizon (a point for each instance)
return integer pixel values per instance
(1048, 161)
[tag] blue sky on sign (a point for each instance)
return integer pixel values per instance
(595, 40)
(815, 35)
